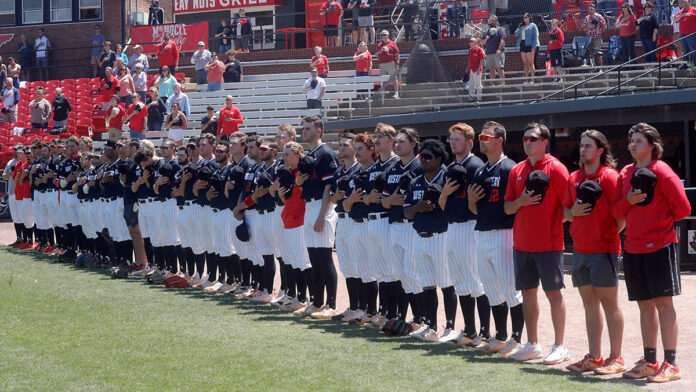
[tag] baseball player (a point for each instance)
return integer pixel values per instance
(56, 218)
(130, 204)
(538, 238)
(111, 187)
(83, 211)
(186, 264)
(149, 163)
(12, 199)
(427, 263)
(22, 194)
(461, 243)
(596, 249)
(186, 199)
(40, 211)
(401, 235)
(320, 218)
(651, 198)
(168, 216)
(493, 230)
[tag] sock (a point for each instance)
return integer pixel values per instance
(18, 231)
(382, 298)
(149, 250)
(500, 317)
(431, 302)
(450, 299)
(362, 297)
(229, 267)
(650, 354)
(316, 287)
(190, 261)
(246, 272)
(468, 305)
(257, 276)
(268, 273)
(199, 260)
(517, 321)
(484, 312)
(330, 276)
(670, 356)
(283, 274)
(211, 262)
(415, 306)
(371, 293)
(237, 268)
(353, 287)
(308, 276)
(301, 278)
(403, 300)
(290, 281)
(181, 258)
(222, 268)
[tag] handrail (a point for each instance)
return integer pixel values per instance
(394, 21)
(611, 69)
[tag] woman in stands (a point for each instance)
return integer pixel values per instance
(363, 60)
(627, 32)
(320, 62)
(126, 86)
(165, 83)
(14, 70)
(528, 41)
(176, 123)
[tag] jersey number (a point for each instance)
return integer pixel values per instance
(495, 196)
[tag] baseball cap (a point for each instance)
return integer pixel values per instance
(111, 143)
(457, 173)
(201, 43)
(588, 192)
(644, 180)
(384, 32)
(538, 182)
(313, 69)
(210, 108)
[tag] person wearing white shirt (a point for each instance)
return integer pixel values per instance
(314, 88)
(41, 46)
(140, 81)
(138, 58)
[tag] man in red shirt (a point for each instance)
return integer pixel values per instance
(538, 240)
(476, 57)
(687, 25)
(137, 115)
(651, 266)
(229, 119)
(388, 55)
(596, 249)
(168, 53)
(108, 87)
(332, 12)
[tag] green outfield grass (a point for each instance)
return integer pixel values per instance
(69, 329)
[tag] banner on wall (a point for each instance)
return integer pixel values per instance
(186, 36)
(186, 6)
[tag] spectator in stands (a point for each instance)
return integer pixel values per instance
(181, 98)
(121, 55)
(594, 25)
(3, 70)
(107, 58)
(40, 110)
(165, 83)
(126, 85)
(649, 28)
(314, 88)
(366, 20)
(626, 22)
(410, 8)
(234, 73)
(332, 11)
(140, 82)
(41, 46)
(675, 26)
(354, 29)
(115, 117)
(320, 62)
(176, 123)
(686, 18)
(224, 33)
(454, 9)
(138, 58)
(137, 116)
(25, 51)
(388, 55)
(10, 99)
(242, 32)
(97, 41)
(556, 38)
(61, 109)
(156, 14)
(363, 60)
(494, 48)
(209, 123)
(108, 86)
(528, 41)
(215, 70)
(229, 119)
(476, 58)
(200, 59)
(168, 53)
(14, 71)
(156, 109)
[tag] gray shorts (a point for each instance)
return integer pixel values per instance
(596, 269)
(58, 124)
(596, 44)
(494, 61)
(366, 21)
(531, 267)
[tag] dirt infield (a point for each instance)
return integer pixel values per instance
(576, 339)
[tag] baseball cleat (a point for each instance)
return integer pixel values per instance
(611, 366)
(493, 346)
(193, 277)
(667, 372)
(294, 305)
(463, 339)
(418, 334)
(642, 369)
(376, 322)
(361, 321)
(587, 364)
(355, 315)
(213, 288)
(300, 311)
(477, 342)
(142, 271)
(529, 352)
(557, 355)
(449, 336)
(278, 300)
(430, 335)
(263, 297)
(510, 348)
(310, 309)
(325, 312)
(340, 316)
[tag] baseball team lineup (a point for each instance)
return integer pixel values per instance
(405, 216)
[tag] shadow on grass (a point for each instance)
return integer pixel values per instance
(542, 369)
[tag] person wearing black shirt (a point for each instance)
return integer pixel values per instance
(233, 70)
(648, 31)
(166, 210)
(209, 122)
(224, 32)
(156, 14)
(60, 108)
(156, 110)
(107, 58)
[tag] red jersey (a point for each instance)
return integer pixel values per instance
(321, 65)
(629, 27)
(558, 42)
(332, 16)
(137, 121)
(476, 57)
(363, 63)
(22, 191)
(650, 228)
(117, 120)
(216, 70)
(229, 127)
(294, 209)
(596, 232)
(687, 24)
(539, 228)
(390, 54)
(168, 54)
(108, 92)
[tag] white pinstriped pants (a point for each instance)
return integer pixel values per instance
(378, 239)
(344, 233)
(461, 258)
(360, 253)
(401, 239)
(296, 253)
(428, 264)
(327, 237)
(496, 267)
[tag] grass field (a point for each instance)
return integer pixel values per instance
(69, 329)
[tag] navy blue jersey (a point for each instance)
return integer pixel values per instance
(457, 206)
(220, 202)
(377, 168)
(81, 195)
(129, 197)
(491, 214)
(52, 166)
(393, 176)
(245, 163)
(434, 221)
(65, 168)
(143, 191)
(325, 169)
(359, 210)
(266, 202)
(40, 165)
(340, 173)
(250, 176)
(165, 190)
(202, 199)
(94, 190)
(109, 180)
(176, 182)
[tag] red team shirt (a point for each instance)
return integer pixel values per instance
(687, 24)
(117, 120)
(596, 232)
(476, 57)
(294, 210)
(108, 92)
(558, 42)
(651, 228)
(363, 63)
(321, 65)
(539, 228)
(169, 56)
(22, 191)
(137, 121)
(229, 127)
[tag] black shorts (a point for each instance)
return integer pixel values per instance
(531, 267)
(652, 275)
(130, 214)
(525, 48)
(330, 30)
(556, 57)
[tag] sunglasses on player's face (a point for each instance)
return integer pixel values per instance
(220, 151)
(264, 148)
(484, 138)
(531, 139)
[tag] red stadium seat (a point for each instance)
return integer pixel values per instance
(49, 137)
(14, 139)
(4, 139)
